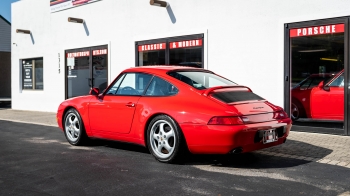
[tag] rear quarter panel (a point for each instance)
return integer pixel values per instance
(187, 107)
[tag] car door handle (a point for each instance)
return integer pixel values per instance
(130, 104)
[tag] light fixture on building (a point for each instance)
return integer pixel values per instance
(329, 59)
(75, 20)
(22, 31)
(159, 3)
(314, 50)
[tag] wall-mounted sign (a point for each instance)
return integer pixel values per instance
(58, 5)
(27, 76)
(149, 47)
(317, 30)
(99, 52)
(185, 44)
(78, 54)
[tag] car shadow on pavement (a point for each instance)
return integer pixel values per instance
(286, 155)
(116, 145)
(252, 160)
(290, 154)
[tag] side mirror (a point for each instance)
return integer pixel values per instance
(326, 88)
(322, 86)
(94, 91)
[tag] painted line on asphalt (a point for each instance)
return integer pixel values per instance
(34, 123)
(311, 159)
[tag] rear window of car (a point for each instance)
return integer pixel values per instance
(236, 96)
(200, 80)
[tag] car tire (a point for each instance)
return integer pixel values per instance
(165, 140)
(74, 129)
(297, 110)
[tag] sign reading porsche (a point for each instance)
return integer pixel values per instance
(58, 5)
(317, 30)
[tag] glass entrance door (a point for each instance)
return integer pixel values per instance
(86, 68)
(315, 78)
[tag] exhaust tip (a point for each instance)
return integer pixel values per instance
(237, 150)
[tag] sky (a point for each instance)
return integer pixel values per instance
(5, 8)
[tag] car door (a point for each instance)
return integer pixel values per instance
(113, 112)
(328, 102)
(336, 89)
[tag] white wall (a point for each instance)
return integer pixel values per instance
(243, 39)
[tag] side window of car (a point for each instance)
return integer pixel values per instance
(160, 87)
(130, 84)
(114, 88)
(338, 82)
(306, 84)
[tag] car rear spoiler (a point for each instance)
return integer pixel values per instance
(209, 90)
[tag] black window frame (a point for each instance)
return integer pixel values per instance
(91, 78)
(287, 66)
(32, 73)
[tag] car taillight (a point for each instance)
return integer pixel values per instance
(223, 120)
(280, 115)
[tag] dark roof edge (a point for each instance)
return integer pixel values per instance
(5, 20)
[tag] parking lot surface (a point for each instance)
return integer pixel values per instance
(315, 147)
(37, 160)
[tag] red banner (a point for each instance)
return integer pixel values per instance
(99, 52)
(317, 30)
(185, 44)
(150, 47)
(78, 54)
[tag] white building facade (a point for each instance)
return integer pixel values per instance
(251, 42)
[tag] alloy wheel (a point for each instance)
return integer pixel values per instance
(72, 127)
(295, 112)
(162, 139)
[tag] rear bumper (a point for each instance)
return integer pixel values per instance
(216, 139)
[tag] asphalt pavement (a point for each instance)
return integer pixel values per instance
(313, 147)
(37, 160)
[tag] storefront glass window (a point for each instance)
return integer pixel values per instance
(32, 74)
(79, 81)
(152, 54)
(183, 50)
(187, 53)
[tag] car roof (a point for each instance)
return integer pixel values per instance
(162, 68)
(321, 75)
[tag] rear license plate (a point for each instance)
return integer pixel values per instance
(270, 136)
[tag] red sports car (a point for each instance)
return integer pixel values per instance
(301, 95)
(172, 109)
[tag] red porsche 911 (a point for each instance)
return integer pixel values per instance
(174, 109)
